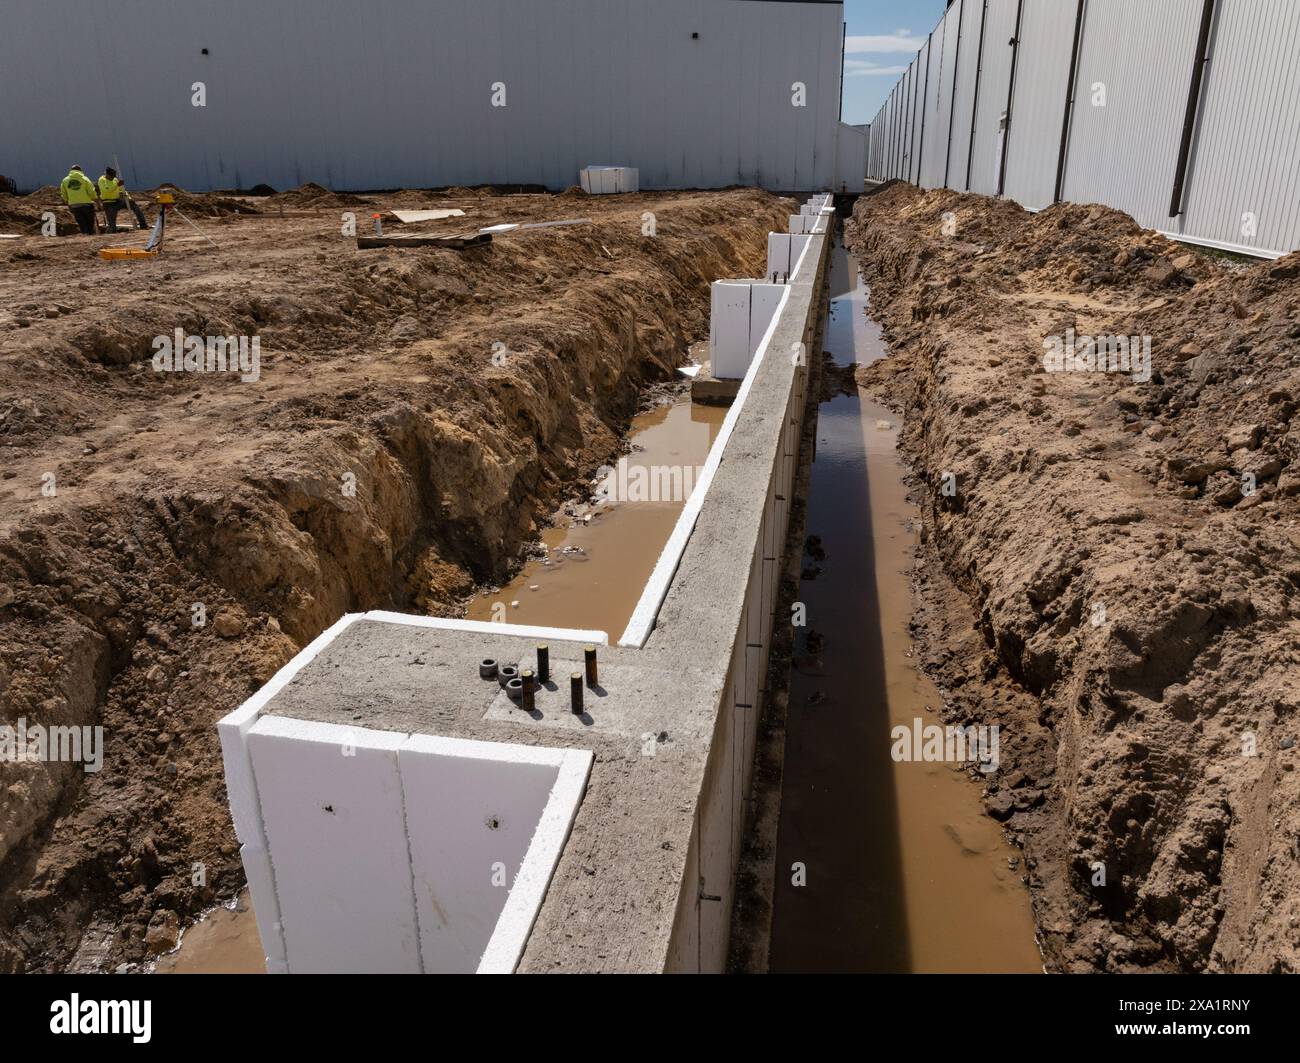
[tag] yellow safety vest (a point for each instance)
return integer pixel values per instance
(77, 189)
(110, 188)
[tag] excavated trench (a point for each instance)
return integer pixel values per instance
(398, 478)
(902, 870)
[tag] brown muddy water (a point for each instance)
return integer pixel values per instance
(903, 870)
(597, 562)
(225, 941)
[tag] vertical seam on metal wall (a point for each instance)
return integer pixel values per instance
(1070, 90)
(975, 103)
(1011, 93)
(920, 154)
(952, 101)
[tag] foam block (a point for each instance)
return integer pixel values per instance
(241, 787)
(778, 255)
(472, 809)
(797, 246)
(764, 300)
(332, 808)
(609, 180)
(783, 252)
(729, 349)
(266, 906)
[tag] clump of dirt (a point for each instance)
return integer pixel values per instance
(313, 197)
(169, 539)
(1128, 541)
(24, 215)
(202, 204)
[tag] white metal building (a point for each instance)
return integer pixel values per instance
(1183, 113)
(391, 93)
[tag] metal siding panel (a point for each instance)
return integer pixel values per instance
(912, 117)
(939, 99)
(292, 98)
(909, 122)
(992, 103)
(1046, 41)
(1246, 156)
(931, 81)
(1123, 154)
(965, 95)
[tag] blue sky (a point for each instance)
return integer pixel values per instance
(879, 47)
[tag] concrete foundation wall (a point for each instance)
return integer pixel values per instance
(701, 927)
(638, 874)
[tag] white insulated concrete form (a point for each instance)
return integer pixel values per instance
(397, 812)
(609, 180)
(1178, 112)
(783, 253)
(742, 310)
(740, 313)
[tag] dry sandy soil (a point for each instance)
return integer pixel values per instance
(1131, 608)
(382, 459)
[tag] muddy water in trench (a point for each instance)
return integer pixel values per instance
(593, 573)
(225, 941)
(591, 578)
(904, 870)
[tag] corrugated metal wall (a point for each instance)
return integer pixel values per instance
(1140, 115)
(964, 91)
(995, 78)
(398, 92)
(1246, 160)
(1124, 129)
(1038, 102)
(936, 81)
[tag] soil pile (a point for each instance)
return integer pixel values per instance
(25, 214)
(1128, 540)
(203, 204)
(312, 197)
(169, 539)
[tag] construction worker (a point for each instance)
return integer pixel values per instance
(112, 192)
(80, 194)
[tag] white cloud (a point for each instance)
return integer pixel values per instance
(861, 68)
(901, 41)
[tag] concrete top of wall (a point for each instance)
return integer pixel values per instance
(621, 870)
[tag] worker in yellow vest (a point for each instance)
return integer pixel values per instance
(80, 194)
(112, 191)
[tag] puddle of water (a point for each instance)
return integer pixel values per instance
(905, 872)
(225, 941)
(593, 574)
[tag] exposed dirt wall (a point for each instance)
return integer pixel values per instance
(1129, 553)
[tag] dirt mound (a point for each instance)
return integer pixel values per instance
(312, 197)
(25, 214)
(1127, 534)
(16, 217)
(196, 528)
(202, 204)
